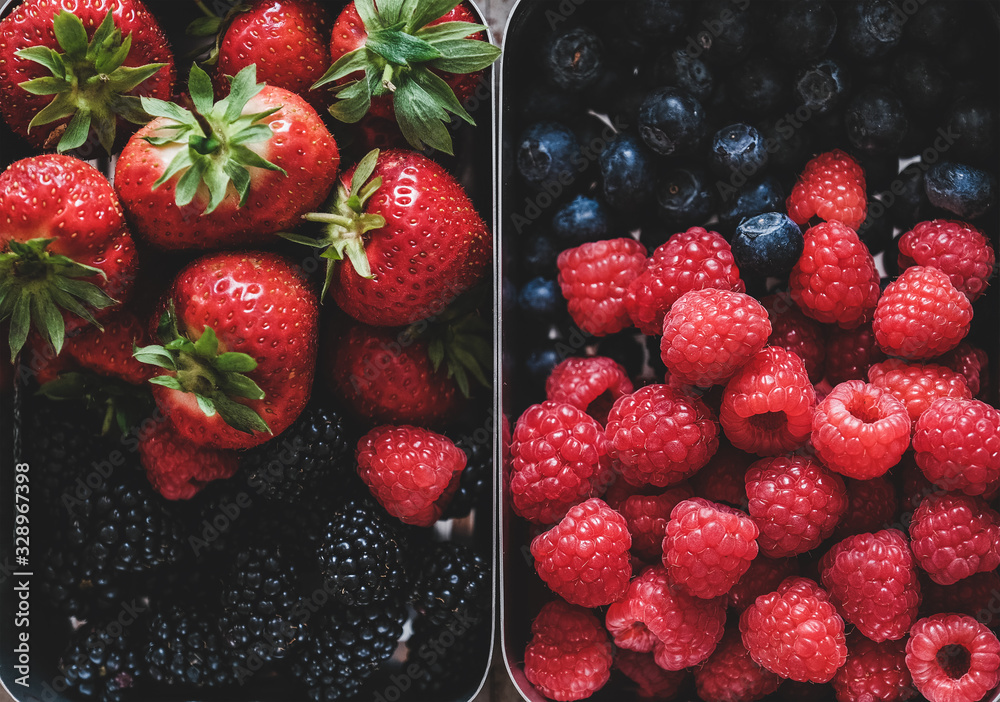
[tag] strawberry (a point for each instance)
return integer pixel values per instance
(67, 71)
(417, 63)
(230, 173)
(238, 336)
(179, 469)
(831, 187)
(413, 240)
(64, 248)
(109, 352)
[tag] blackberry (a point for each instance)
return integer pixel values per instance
(101, 662)
(475, 480)
(453, 584)
(347, 645)
(73, 587)
(184, 647)
(450, 660)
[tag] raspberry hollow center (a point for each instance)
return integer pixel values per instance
(954, 660)
(864, 408)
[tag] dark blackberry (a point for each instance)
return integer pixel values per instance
(184, 647)
(450, 660)
(75, 588)
(101, 662)
(475, 480)
(453, 584)
(317, 449)
(347, 645)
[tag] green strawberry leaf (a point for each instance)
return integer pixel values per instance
(206, 405)
(70, 34)
(430, 10)
(167, 381)
(347, 64)
(200, 88)
(447, 31)
(465, 55)
(237, 385)
(207, 346)
(204, 27)
(421, 119)
(239, 416)
(400, 48)
(235, 362)
(47, 85)
(156, 356)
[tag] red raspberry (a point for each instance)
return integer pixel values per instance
(921, 315)
(708, 547)
(569, 656)
(591, 384)
(767, 407)
(722, 479)
(795, 502)
(917, 384)
(977, 595)
(831, 187)
(956, 443)
(874, 672)
(654, 682)
(658, 436)
(647, 517)
(873, 581)
(594, 278)
(412, 472)
(709, 334)
(691, 260)
(914, 485)
(955, 248)
(835, 280)
(860, 430)
(972, 363)
(730, 674)
(764, 576)
(793, 331)
(871, 505)
(850, 353)
(558, 459)
(954, 536)
(795, 632)
(585, 557)
(179, 469)
(953, 658)
(679, 629)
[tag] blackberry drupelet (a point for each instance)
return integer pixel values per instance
(453, 584)
(450, 659)
(184, 647)
(101, 662)
(75, 588)
(474, 482)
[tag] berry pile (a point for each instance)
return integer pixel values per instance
(749, 250)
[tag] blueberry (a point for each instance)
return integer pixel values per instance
(685, 197)
(538, 255)
(583, 219)
(679, 69)
(876, 231)
(880, 169)
(726, 32)
(573, 59)
(971, 125)
(625, 348)
(961, 189)
(765, 195)
(876, 120)
(788, 141)
(822, 87)
(870, 29)
(935, 25)
(543, 103)
(604, 94)
(541, 299)
(922, 82)
(738, 148)
(671, 121)
(659, 19)
(626, 173)
(540, 360)
(547, 152)
(767, 244)
(758, 86)
(801, 31)
(907, 198)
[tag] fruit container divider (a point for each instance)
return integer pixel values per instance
(522, 592)
(474, 166)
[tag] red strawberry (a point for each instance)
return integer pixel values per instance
(412, 237)
(67, 68)
(239, 347)
(64, 247)
(831, 187)
(109, 353)
(425, 66)
(232, 173)
(179, 469)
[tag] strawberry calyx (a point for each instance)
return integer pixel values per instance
(36, 284)
(214, 378)
(88, 81)
(397, 59)
(212, 24)
(216, 135)
(459, 338)
(120, 404)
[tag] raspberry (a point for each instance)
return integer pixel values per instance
(795, 632)
(647, 517)
(921, 315)
(953, 658)
(957, 249)
(956, 443)
(871, 504)
(954, 536)
(764, 576)
(793, 331)
(972, 363)
(860, 430)
(691, 260)
(679, 629)
(730, 674)
(835, 281)
(658, 436)
(708, 334)
(591, 384)
(767, 406)
(654, 682)
(722, 479)
(873, 581)
(569, 656)
(179, 469)
(795, 502)
(585, 558)
(976, 595)
(831, 187)
(594, 278)
(850, 353)
(558, 459)
(412, 472)
(873, 672)
(916, 384)
(708, 547)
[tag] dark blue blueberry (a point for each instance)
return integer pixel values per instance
(971, 126)
(876, 231)
(541, 299)
(573, 59)
(625, 348)
(725, 32)
(765, 195)
(626, 173)
(679, 69)
(876, 120)
(767, 244)
(788, 141)
(544, 103)
(548, 152)
(801, 31)
(607, 90)
(870, 29)
(829, 130)
(671, 121)
(922, 82)
(821, 87)
(658, 19)
(962, 190)
(540, 360)
(880, 169)
(685, 196)
(738, 148)
(538, 256)
(935, 25)
(758, 86)
(907, 197)
(583, 219)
